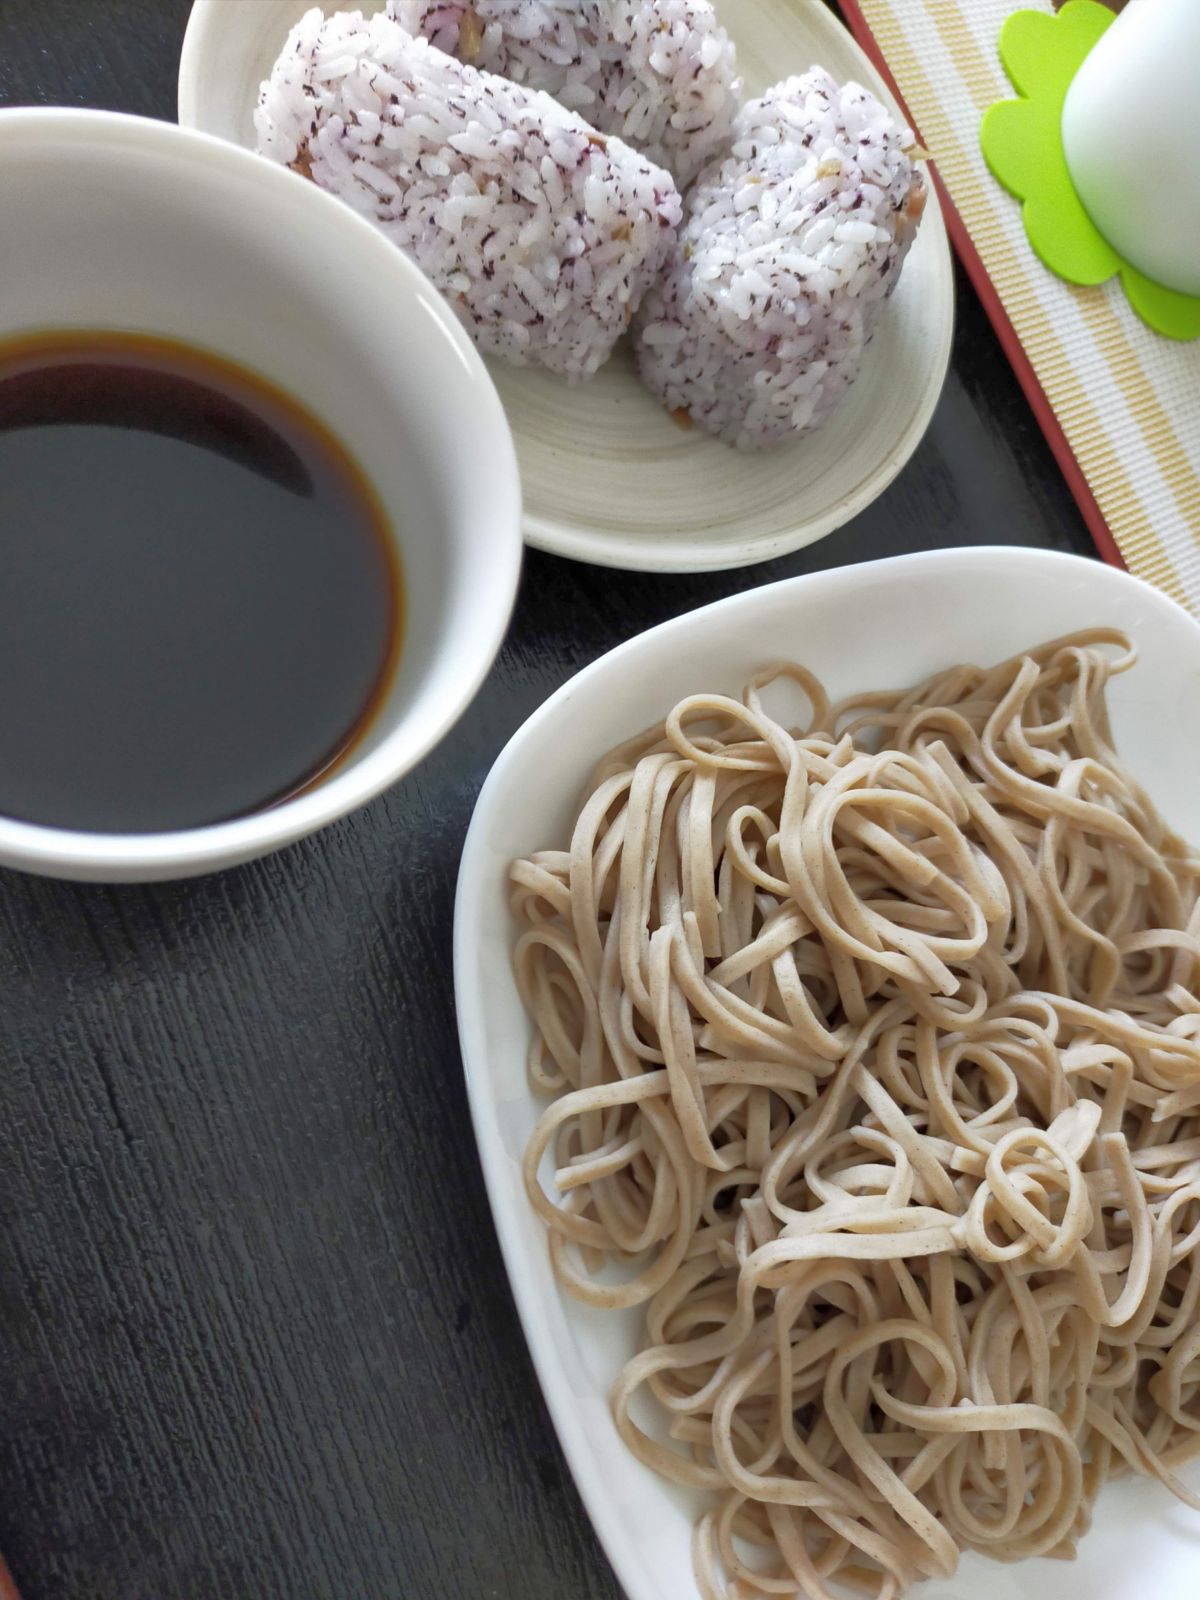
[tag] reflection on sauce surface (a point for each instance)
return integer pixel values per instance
(200, 605)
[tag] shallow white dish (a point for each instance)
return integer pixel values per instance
(607, 476)
(888, 623)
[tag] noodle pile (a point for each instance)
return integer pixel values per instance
(875, 1050)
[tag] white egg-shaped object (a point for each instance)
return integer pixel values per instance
(1129, 131)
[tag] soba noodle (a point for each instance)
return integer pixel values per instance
(875, 1050)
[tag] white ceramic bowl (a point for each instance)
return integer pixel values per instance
(883, 624)
(118, 223)
(607, 476)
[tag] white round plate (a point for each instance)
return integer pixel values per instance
(888, 623)
(607, 476)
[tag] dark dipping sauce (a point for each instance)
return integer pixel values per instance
(200, 604)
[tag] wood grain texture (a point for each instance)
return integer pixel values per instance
(256, 1340)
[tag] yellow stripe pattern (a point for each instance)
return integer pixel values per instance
(1127, 399)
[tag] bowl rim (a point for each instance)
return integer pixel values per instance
(83, 855)
(647, 551)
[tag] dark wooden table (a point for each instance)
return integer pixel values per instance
(256, 1340)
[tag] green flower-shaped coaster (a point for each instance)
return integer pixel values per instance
(1022, 144)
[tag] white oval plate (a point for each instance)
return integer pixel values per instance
(886, 624)
(607, 476)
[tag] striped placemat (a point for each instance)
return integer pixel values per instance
(1119, 404)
